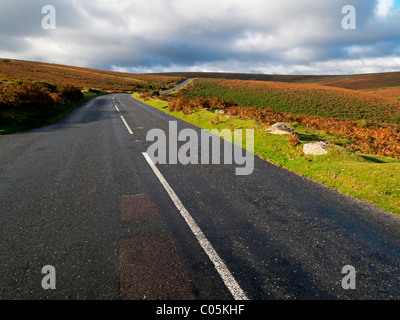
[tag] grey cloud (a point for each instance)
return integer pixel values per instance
(188, 34)
(23, 18)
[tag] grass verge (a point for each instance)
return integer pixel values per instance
(370, 178)
(24, 121)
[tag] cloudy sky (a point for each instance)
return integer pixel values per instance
(252, 36)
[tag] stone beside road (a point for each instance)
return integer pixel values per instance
(280, 128)
(316, 148)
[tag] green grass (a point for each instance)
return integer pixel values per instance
(374, 179)
(25, 120)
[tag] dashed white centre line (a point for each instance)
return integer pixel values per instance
(222, 269)
(116, 107)
(126, 125)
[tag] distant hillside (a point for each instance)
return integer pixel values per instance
(19, 71)
(371, 81)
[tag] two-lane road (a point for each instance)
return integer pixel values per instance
(80, 196)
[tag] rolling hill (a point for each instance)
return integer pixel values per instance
(370, 82)
(300, 98)
(20, 71)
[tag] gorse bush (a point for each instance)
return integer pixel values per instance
(69, 92)
(31, 101)
(26, 95)
(34, 95)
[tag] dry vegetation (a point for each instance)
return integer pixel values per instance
(17, 70)
(305, 99)
(364, 81)
(348, 115)
(30, 103)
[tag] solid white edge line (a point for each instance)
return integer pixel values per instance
(226, 275)
(126, 125)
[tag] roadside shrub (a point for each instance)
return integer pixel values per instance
(32, 102)
(70, 92)
(34, 95)
(186, 105)
(6, 117)
(294, 139)
(145, 96)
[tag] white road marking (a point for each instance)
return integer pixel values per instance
(126, 125)
(226, 275)
(116, 107)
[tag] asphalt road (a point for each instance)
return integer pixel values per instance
(177, 87)
(80, 196)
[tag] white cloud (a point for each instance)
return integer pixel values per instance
(332, 67)
(384, 8)
(335, 67)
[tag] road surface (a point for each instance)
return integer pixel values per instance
(182, 84)
(82, 197)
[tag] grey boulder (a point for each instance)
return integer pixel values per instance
(280, 128)
(316, 148)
